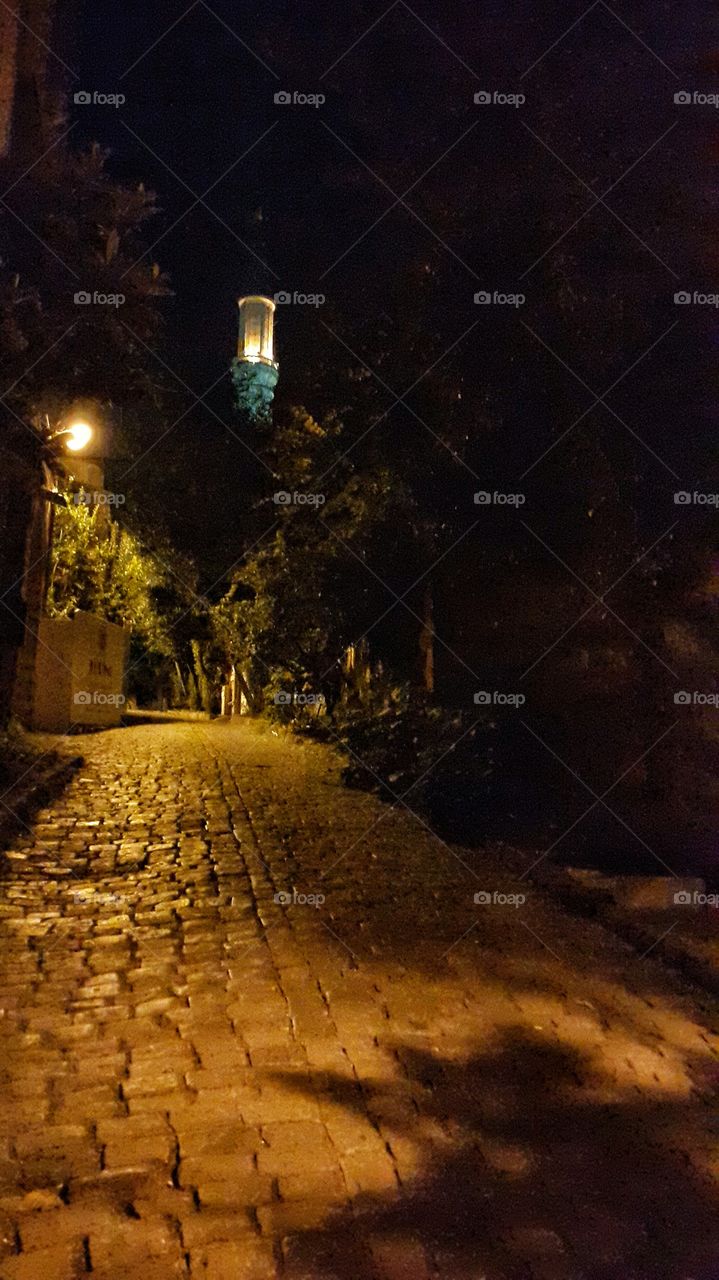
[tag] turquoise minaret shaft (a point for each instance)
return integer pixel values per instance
(254, 368)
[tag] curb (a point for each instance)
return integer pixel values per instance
(599, 905)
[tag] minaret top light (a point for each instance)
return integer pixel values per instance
(254, 368)
(256, 340)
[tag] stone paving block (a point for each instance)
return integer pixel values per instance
(400, 1258)
(372, 1171)
(148, 1081)
(62, 1262)
(34, 1084)
(10, 1175)
(90, 1102)
(66, 1224)
(264, 1036)
(153, 1269)
(215, 1168)
(52, 1170)
(116, 1188)
(216, 1225)
(314, 1184)
(17, 1113)
(106, 1069)
(280, 1219)
(50, 1139)
(126, 1244)
(279, 1105)
(217, 1138)
(129, 1128)
(295, 1140)
(251, 1260)
(251, 1188)
(281, 1055)
(150, 1103)
(335, 1257)
(121, 1152)
(225, 1077)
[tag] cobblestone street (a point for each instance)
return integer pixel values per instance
(254, 1025)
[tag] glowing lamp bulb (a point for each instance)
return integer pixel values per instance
(78, 435)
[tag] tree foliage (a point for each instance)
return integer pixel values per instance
(102, 568)
(69, 232)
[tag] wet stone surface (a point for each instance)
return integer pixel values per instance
(255, 1025)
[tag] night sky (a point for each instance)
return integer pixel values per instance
(497, 187)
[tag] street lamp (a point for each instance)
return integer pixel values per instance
(78, 435)
(80, 431)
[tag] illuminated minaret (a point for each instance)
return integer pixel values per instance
(254, 369)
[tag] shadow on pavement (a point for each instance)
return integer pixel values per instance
(540, 1177)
